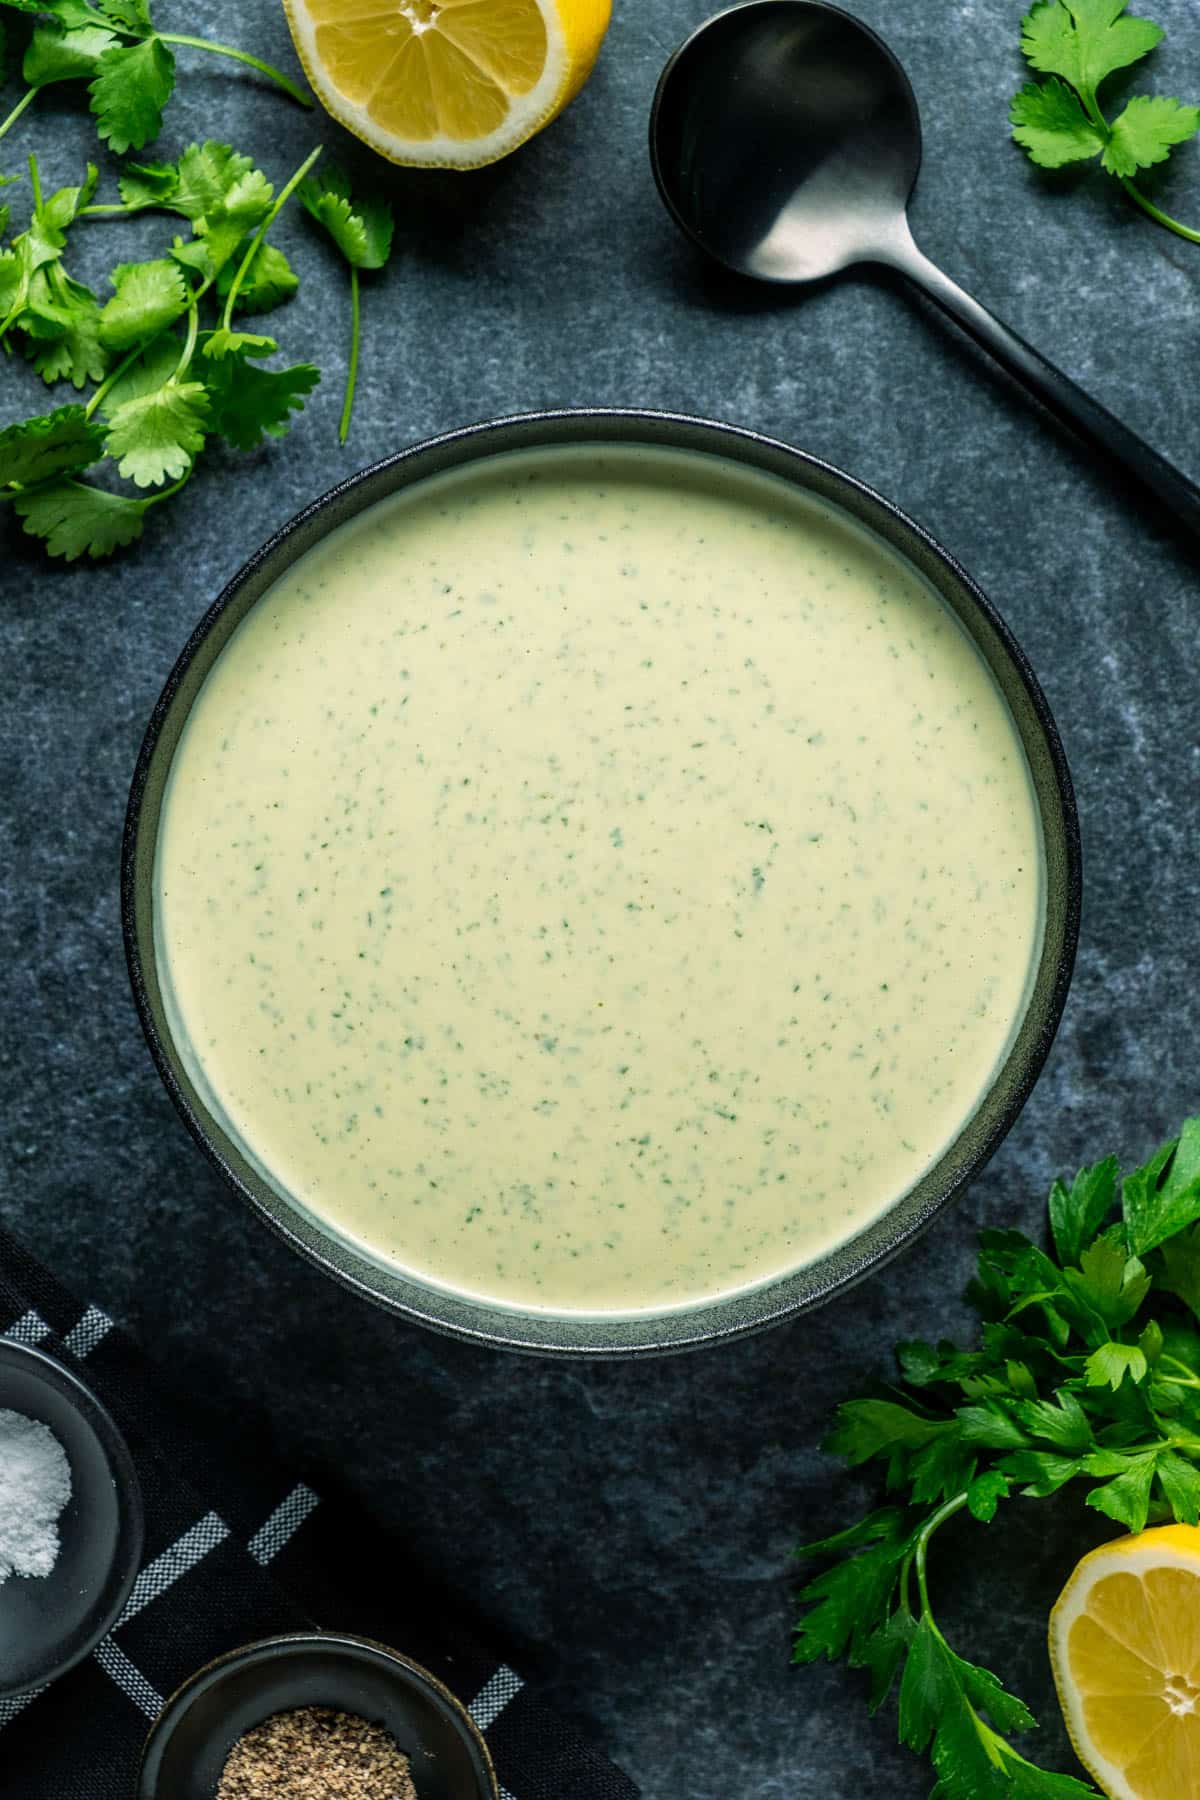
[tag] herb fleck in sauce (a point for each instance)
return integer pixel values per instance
(598, 881)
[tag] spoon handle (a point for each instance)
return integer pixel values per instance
(1091, 421)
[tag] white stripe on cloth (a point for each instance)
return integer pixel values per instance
(283, 1523)
(17, 1704)
(166, 1569)
(84, 1337)
(30, 1328)
(494, 1696)
(129, 1678)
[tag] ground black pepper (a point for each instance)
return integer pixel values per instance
(315, 1753)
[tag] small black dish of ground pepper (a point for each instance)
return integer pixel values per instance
(375, 1703)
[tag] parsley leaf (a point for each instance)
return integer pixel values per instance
(1163, 1197)
(1086, 1369)
(1077, 1213)
(1077, 45)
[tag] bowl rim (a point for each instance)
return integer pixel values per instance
(349, 1644)
(741, 1313)
(131, 1527)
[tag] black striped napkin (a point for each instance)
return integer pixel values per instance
(233, 1555)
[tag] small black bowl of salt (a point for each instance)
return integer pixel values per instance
(70, 1519)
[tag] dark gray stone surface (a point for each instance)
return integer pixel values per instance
(628, 1529)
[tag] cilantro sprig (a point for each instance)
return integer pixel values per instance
(363, 234)
(1087, 1370)
(167, 381)
(1076, 45)
(128, 63)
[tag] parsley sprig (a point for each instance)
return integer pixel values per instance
(167, 379)
(128, 63)
(1077, 45)
(1087, 1370)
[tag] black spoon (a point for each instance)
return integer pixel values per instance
(785, 140)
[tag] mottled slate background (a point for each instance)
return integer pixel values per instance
(627, 1529)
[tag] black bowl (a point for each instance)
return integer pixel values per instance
(49, 1623)
(805, 1287)
(193, 1735)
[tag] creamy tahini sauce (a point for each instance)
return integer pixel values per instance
(598, 881)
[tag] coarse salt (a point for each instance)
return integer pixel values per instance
(35, 1485)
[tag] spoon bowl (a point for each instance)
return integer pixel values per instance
(819, 132)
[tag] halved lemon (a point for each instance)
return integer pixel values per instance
(1125, 1648)
(448, 83)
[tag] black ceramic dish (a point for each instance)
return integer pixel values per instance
(805, 1287)
(49, 1623)
(191, 1739)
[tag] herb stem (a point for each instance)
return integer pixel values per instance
(281, 200)
(112, 378)
(352, 371)
(168, 491)
(35, 182)
(1156, 213)
(242, 56)
(1092, 108)
(189, 343)
(26, 99)
(933, 1523)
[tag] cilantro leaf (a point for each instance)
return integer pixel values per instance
(1077, 45)
(1085, 40)
(133, 83)
(213, 177)
(1049, 121)
(221, 343)
(55, 54)
(157, 435)
(269, 281)
(149, 296)
(1147, 131)
(145, 374)
(77, 355)
(148, 184)
(74, 518)
(1163, 1197)
(362, 232)
(60, 442)
(249, 403)
(130, 15)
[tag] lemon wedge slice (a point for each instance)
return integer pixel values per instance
(447, 83)
(1125, 1648)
